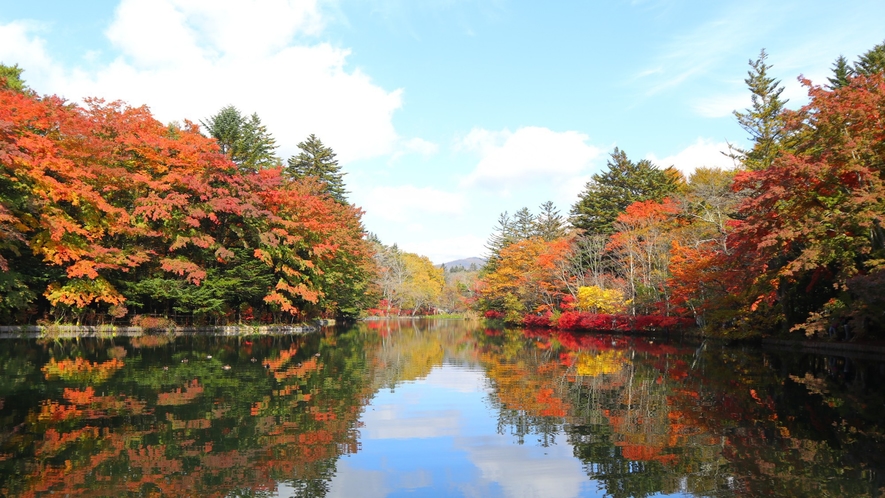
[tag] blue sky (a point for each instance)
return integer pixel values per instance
(445, 113)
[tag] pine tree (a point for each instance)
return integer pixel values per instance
(872, 61)
(318, 161)
(764, 120)
(501, 237)
(523, 224)
(842, 73)
(608, 194)
(11, 78)
(549, 224)
(245, 140)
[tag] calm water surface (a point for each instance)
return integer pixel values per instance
(435, 408)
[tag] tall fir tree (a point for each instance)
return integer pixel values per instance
(245, 140)
(11, 78)
(842, 73)
(764, 120)
(318, 161)
(501, 237)
(872, 61)
(523, 224)
(549, 224)
(608, 194)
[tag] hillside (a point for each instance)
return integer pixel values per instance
(464, 263)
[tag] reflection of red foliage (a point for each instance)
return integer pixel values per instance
(181, 396)
(78, 397)
(643, 453)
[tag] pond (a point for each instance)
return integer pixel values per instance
(435, 408)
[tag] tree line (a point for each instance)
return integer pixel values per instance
(107, 214)
(791, 239)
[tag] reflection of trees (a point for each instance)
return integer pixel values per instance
(646, 417)
(409, 349)
(613, 411)
(131, 417)
(800, 425)
(90, 423)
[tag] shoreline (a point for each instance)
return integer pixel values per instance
(858, 349)
(104, 331)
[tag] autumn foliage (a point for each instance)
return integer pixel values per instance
(105, 211)
(797, 244)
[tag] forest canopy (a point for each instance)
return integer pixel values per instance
(792, 239)
(106, 213)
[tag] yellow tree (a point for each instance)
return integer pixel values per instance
(423, 284)
(598, 300)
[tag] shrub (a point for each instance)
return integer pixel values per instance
(537, 320)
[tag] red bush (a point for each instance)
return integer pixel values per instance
(569, 320)
(534, 320)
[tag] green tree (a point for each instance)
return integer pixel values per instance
(501, 237)
(11, 78)
(872, 61)
(549, 224)
(245, 140)
(317, 160)
(764, 119)
(523, 224)
(608, 194)
(842, 73)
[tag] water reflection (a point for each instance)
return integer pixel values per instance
(435, 408)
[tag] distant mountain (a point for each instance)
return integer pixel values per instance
(465, 263)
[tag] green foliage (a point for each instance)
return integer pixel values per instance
(245, 140)
(523, 225)
(549, 224)
(513, 308)
(91, 229)
(872, 61)
(842, 73)
(11, 78)
(609, 193)
(318, 161)
(764, 120)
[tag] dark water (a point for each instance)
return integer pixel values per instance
(435, 408)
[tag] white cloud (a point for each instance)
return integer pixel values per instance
(389, 422)
(524, 470)
(703, 152)
(527, 156)
(722, 105)
(703, 50)
(421, 146)
(350, 481)
(458, 379)
(17, 46)
(400, 203)
(415, 146)
(188, 59)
